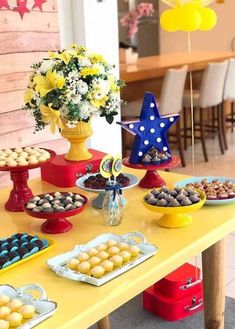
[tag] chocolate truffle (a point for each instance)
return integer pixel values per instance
(32, 247)
(4, 261)
(22, 251)
(174, 203)
(13, 256)
(39, 244)
(162, 203)
(186, 202)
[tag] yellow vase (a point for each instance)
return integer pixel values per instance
(77, 137)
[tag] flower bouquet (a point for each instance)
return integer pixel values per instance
(66, 89)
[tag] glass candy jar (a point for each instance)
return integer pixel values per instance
(113, 209)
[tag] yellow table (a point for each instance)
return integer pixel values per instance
(80, 305)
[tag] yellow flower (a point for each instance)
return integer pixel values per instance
(28, 97)
(89, 71)
(51, 117)
(99, 102)
(45, 84)
(96, 58)
(113, 86)
(64, 56)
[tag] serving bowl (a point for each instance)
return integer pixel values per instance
(175, 217)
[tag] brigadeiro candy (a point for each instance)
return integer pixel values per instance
(162, 203)
(176, 197)
(31, 247)
(22, 251)
(38, 243)
(3, 261)
(13, 256)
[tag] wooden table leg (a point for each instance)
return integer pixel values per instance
(213, 266)
(103, 323)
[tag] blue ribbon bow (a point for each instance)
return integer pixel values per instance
(116, 188)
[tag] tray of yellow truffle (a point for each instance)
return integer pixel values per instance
(103, 258)
(19, 309)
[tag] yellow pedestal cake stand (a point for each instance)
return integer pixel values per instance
(175, 217)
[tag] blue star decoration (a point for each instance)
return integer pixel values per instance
(150, 130)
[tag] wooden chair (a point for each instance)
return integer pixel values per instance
(208, 100)
(170, 102)
(229, 93)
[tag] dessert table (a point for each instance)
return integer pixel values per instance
(80, 305)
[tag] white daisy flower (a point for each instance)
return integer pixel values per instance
(101, 84)
(85, 110)
(84, 62)
(64, 111)
(73, 77)
(99, 67)
(46, 65)
(77, 99)
(82, 87)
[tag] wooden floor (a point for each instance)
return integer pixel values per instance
(218, 165)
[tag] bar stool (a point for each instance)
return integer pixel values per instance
(229, 93)
(170, 102)
(209, 97)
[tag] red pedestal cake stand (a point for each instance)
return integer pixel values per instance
(21, 192)
(152, 178)
(56, 222)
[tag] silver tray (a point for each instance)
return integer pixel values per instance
(57, 264)
(44, 307)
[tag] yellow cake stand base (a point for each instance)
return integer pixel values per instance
(175, 221)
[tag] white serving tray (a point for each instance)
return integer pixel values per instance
(44, 307)
(57, 264)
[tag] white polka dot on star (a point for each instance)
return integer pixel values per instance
(162, 124)
(151, 117)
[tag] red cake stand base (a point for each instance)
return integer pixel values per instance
(56, 226)
(21, 192)
(152, 178)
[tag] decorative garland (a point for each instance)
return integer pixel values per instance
(22, 6)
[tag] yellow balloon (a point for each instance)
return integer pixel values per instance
(170, 20)
(190, 18)
(209, 19)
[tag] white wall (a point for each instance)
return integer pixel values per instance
(218, 39)
(95, 25)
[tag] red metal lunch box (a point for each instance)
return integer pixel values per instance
(63, 173)
(171, 309)
(183, 282)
